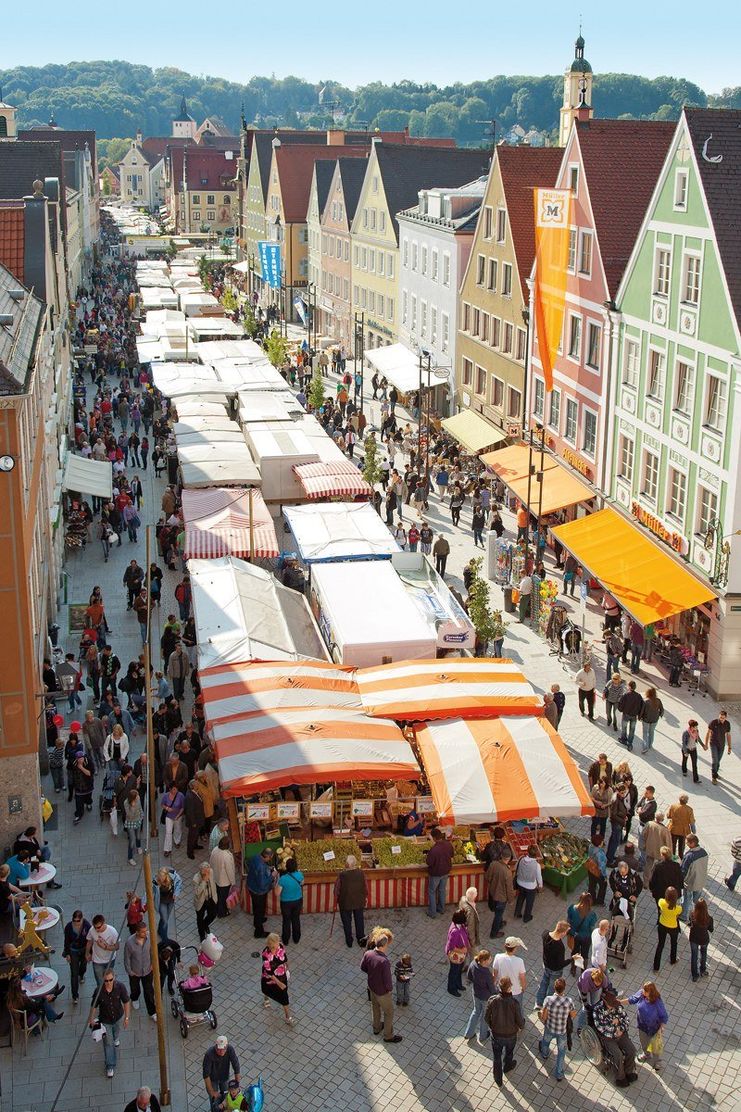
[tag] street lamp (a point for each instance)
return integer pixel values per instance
(714, 536)
(424, 357)
(359, 350)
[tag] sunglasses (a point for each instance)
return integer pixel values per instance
(108, 980)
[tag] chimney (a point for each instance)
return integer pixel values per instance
(335, 137)
(35, 241)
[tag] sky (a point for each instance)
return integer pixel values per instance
(386, 40)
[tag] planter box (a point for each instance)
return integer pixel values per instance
(562, 883)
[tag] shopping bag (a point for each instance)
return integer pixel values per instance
(46, 810)
(232, 900)
(656, 1045)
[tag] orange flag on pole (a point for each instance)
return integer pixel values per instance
(552, 215)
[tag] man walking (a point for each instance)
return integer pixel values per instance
(439, 863)
(101, 948)
(441, 551)
(630, 706)
(219, 1062)
(144, 1101)
(695, 873)
(654, 836)
(611, 1022)
(614, 648)
(554, 1016)
(377, 968)
(351, 894)
(718, 733)
(138, 966)
(501, 890)
(586, 682)
(111, 1007)
(504, 1019)
(261, 878)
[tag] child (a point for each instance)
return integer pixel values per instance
(134, 912)
(164, 691)
(559, 699)
(196, 979)
(234, 1097)
(404, 973)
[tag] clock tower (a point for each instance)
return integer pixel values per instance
(577, 93)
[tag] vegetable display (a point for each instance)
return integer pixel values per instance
(408, 852)
(310, 855)
(563, 852)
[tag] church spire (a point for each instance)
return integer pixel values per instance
(577, 91)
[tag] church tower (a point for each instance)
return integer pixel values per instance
(577, 93)
(183, 126)
(7, 119)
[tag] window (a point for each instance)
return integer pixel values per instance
(630, 363)
(514, 402)
(364, 257)
(626, 450)
(589, 439)
(497, 392)
(466, 317)
(381, 261)
(390, 308)
(372, 301)
(501, 225)
(375, 183)
(404, 306)
(415, 256)
(554, 416)
(446, 269)
(663, 267)
(389, 265)
(676, 493)
(435, 264)
(507, 338)
(372, 261)
(594, 342)
(433, 324)
(492, 282)
(521, 345)
(210, 199)
(227, 199)
(496, 329)
(715, 403)
(381, 305)
(414, 313)
(691, 284)
(196, 216)
(571, 264)
(196, 198)
(572, 417)
(365, 218)
(423, 318)
(507, 280)
(684, 387)
(480, 270)
(585, 254)
(405, 253)
(488, 217)
(650, 475)
(424, 260)
(539, 399)
(680, 190)
(382, 221)
(480, 381)
(355, 254)
(445, 326)
(373, 219)
(484, 328)
(211, 214)
(574, 179)
(707, 509)
(656, 375)
(475, 326)
(467, 372)
(574, 337)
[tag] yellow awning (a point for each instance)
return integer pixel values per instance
(560, 487)
(473, 431)
(647, 582)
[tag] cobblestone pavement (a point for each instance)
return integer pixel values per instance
(331, 1060)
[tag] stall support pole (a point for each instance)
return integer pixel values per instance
(252, 524)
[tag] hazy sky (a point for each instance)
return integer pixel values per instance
(420, 41)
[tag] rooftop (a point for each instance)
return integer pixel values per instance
(295, 170)
(205, 168)
(523, 169)
(17, 340)
(12, 236)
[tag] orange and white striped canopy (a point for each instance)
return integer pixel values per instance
(496, 770)
(463, 686)
(260, 752)
(332, 480)
(217, 523)
(234, 690)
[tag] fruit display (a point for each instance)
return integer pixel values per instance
(563, 852)
(459, 850)
(284, 853)
(521, 843)
(409, 852)
(310, 855)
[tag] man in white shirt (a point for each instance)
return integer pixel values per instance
(510, 965)
(526, 595)
(102, 945)
(598, 957)
(586, 681)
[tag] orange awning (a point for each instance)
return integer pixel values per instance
(512, 462)
(560, 487)
(647, 582)
(233, 690)
(497, 770)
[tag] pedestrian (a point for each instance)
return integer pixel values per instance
(652, 1018)
(602, 799)
(167, 887)
(666, 873)
(377, 968)
(173, 807)
(611, 1022)
(441, 551)
(528, 881)
(619, 810)
(631, 708)
(467, 904)
(205, 896)
(586, 683)
(718, 732)
(550, 710)
(612, 694)
(478, 521)
(656, 837)
(570, 569)
(667, 926)
(481, 980)
(555, 958)
(637, 641)
(222, 863)
(681, 823)
(457, 949)
(504, 1019)
(510, 965)
(83, 779)
(591, 984)
(74, 951)
(500, 889)
(695, 873)
(219, 1062)
(525, 591)
(135, 910)
(690, 742)
(559, 699)
(598, 954)
(138, 966)
(730, 881)
(133, 822)
(400, 534)
(653, 710)
(144, 1101)
(193, 811)
(57, 762)
(403, 973)
(439, 864)
(676, 665)
(111, 1009)
(596, 866)
(274, 976)
(116, 748)
(351, 896)
(582, 921)
(413, 537)
(646, 811)
(613, 648)
(261, 879)
(555, 1013)
(626, 885)
(291, 902)
(425, 538)
(177, 669)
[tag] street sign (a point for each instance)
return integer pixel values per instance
(270, 263)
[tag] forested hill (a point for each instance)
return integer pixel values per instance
(115, 98)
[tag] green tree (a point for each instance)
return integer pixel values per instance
(371, 463)
(229, 300)
(479, 607)
(276, 348)
(249, 320)
(316, 390)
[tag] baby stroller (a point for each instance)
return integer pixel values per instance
(620, 938)
(192, 1006)
(107, 801)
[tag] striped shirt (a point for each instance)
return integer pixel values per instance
(559, 1010)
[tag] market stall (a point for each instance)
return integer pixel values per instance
(339, 531)
(269, 406)
(431, 595)
(240, 688)
(332, 480)
(277, 450)
(233, 522)
(473, 432)
(216, 465)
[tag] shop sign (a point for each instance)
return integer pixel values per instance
(577, 463)
(320, 810)
(425, 805)
(258, 812)
(287, 810)
(362, 808)
(657, 527)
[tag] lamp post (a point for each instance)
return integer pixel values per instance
(538, 473)
(425, 362)
(359, 350)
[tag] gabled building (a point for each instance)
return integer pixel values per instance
(110, 182)
(335, 268)
(200, 189)
(214, 126)
(492, 335)
(611, 168)
(183, 125)
(676, 379)
(321, 180)
(394, 177)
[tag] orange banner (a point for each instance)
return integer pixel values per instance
(552, 215)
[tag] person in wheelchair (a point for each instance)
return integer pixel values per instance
(592, 983)
(611, 1024)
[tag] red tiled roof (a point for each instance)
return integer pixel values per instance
(295, 164)
(12, 237)
(622, 160)
(522, 169)
(205, 168)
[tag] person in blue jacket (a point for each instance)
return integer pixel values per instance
(261, 878)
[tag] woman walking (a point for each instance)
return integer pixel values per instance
(166, 890)
(582, 921)
(204, 898)
(481, 979)
(653, 710)
(601, 798)
(668, 926)
(681, 823)
(291, 902)
(701, 927)
(691, 742)
(652, 1017)
(457, 948)
(528, 879)
(274, 976)
(133, 822)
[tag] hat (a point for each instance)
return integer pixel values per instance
(222, 1042)
(513, 941)
(233, 1083)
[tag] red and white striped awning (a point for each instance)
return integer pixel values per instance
(217, 523)
(452, 687)
(332, 480)
(234, 690)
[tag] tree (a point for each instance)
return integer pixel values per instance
(479, 607)
(229, 300)
(371, 463)
(249, 320)
(276, 348)
(316, 390)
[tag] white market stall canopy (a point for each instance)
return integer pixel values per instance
(400, 367)
(269, 405)
(217, 523)
(435, 601)
(242, 613)
(231, 435)
(190, 409)
(88, 476)
(173, 379)
(215, 328)
(157, 297)
(245, 350)
(157, 319)
(321, 442)
(277, 449)
(241, 268)
(220, 464)
(204, 424)
(197, 304)
(253, 374)
(339, 531)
